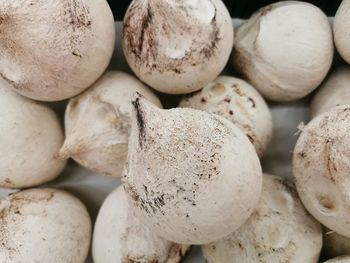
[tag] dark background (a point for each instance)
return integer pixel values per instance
(238, 8)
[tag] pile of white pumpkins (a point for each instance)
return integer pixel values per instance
(190, 175)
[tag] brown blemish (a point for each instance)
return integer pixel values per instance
(250, 133)
(252, 102)
(175, 251)
(159, 201)
(146, 189)
(135, 29)
(251, 139)
(79, 15)
(178, 70)
(211, 48)
(265, 10)
(4, 18)
(74, 53)
(128, 259)
(14, 84)
(230, 112)
(152, 203)
(132, 192)
(203, 100)
(20, 201)
(287, 186)
(346, 111)
(237, 90)
(17, 212)
(331, 165)
(228, 100)
(301, 154)
(140, 120)
(147, 19)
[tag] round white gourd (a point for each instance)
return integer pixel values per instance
(52, 50)
(97, 123)
(284, 50)
(30, 138)
(238, 102)
(177, 46)
(186, 167)
(44, 225)
(119, 236)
